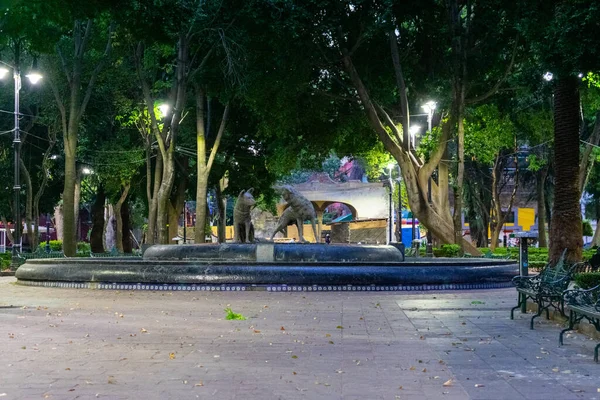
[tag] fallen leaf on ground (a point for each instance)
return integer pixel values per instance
(256, 331)
(479, 385)
(327, 335)
(449, 382)
(143, 330)
(172, 356)
(199, 384)
(282, 329)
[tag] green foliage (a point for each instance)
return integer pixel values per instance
(55, 245)
(451, 250)
(587, 280)
(487, 133)
(587, 228)
(331, 165)
(375, 160)
(230, 315)
(5, 260)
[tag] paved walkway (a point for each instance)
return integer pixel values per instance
(85, 344)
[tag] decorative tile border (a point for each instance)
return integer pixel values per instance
(267, 288)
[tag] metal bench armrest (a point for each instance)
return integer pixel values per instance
(581, 297)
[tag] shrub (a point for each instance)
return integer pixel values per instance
(587, 280)
(5, 259)
(83, 247)
(55, 245)
(451, 250)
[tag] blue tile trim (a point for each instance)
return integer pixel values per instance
(268, 288)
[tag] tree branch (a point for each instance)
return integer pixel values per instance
(99, 66)
(215, 147)
(495, 88)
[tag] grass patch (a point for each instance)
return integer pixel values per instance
(230, 315)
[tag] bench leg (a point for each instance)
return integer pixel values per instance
(539, 312)
(596, 352)
(512, 310)
(570, 328)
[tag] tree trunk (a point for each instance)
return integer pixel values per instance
(541, 204)
(458, 191)
(127, 235)
(69, 241)
(414, 173)
(201, 191)
(77, 202)
(97, 233)
(58, 222)
(222, 210)
(117, 210)
(164, 193)
(596, 238)
(566, 229)
(203, 164)
(153, 184)
(109, 228)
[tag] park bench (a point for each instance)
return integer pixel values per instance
(545, 289)
(583, 304)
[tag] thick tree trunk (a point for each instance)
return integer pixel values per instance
(69, 223)
(77, 202)
(127, 235)
(541, 204)
(596, 238)
(58, 221)
(164, 194)
(117, 210)
(109, 228)
(566, 229)
(414, 174)
(201, 191)
(458, 192)
(153, 185)
(97, 233)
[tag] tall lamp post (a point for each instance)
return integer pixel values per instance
(33, 78)
(429, 108)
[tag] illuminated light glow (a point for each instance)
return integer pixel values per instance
(164, 109)
(34, 77)
(548, 76)
(414, 129)
(87, 171)
(429, 106)
(3, 72)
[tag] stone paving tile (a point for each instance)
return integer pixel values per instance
(84, 344)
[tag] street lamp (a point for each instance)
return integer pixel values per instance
(164, 110)
(33, 78)
(413, 130)
(429, 108)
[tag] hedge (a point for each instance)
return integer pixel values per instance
(587, 280)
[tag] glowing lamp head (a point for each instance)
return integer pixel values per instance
(3, 72)
(34, 77)
(164, 109)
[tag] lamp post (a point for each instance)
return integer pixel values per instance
(429, 108)
(33, 78)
